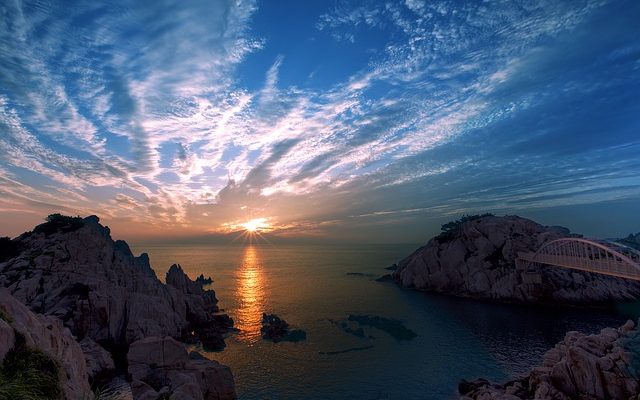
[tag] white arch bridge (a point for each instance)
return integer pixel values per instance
(599, 256)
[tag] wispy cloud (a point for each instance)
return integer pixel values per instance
(141, 113)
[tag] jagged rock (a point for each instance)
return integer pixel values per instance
(71, 269)
(601, 366)
(204, 281)
(162, 365)
(48, 335)
(477, 259)
(277, 330)
(99, 289)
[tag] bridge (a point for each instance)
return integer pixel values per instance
(598, 256)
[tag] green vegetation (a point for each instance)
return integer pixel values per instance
(5, 317)
(58, 222)
(455, 225)
(28, 374)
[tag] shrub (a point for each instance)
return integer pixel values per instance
(28, 374)
(455, 225)
(58, 222)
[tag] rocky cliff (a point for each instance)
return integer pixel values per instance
(595, 367)
(71, 270)
(476, 258)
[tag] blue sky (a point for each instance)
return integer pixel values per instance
(375, 120)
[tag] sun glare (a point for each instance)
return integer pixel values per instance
(255, 225)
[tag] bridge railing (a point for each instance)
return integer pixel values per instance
(586, 255)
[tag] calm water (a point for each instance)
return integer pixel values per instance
(309, 286)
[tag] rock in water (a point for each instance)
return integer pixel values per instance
(477, 259)
(277, 330)
(601, 366)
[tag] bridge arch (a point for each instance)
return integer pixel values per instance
(598, 256)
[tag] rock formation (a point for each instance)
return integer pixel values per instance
(70, 269)
(594, 367)
(277, 330)
(476, 258)
(162, 365)
(48, 335)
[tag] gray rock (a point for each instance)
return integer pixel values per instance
(579, 367)
(478, 260)
(163, 366)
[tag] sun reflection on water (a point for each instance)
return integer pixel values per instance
(250, 296)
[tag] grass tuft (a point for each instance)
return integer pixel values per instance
(29, 374)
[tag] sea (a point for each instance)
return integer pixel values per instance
(317, 287)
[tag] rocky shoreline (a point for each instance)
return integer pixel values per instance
(599, 366)
(475, 258)
(110, 314)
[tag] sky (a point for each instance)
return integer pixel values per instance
(371, 121)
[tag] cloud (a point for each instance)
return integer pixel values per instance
(142, 112)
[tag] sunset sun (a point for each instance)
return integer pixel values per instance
(255, 225)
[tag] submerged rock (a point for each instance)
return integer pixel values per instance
(601, 366)
(277, 330)
(392, 327)
(476, 258)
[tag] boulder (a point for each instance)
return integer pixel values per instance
(162, 364)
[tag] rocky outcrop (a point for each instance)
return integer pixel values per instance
(477, 259)
(48, 335)
(277, 330)
(632, 241)
(99, 289)
(162, 366)
(71, 271)
(595, 367)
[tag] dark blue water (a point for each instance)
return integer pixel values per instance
(309, 286)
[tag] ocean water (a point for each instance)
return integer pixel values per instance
(316, 287)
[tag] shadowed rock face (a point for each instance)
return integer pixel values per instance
(478, 260)
(48, 335)
(601, 366)
(73, 272)
(99, 289)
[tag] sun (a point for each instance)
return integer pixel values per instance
(255, 225)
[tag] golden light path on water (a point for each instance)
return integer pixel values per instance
(250, 295)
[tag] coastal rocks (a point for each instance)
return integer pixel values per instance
(47, 334)
(600, 366)
(76, 272)
(204, 281)
(162, 367)
(201, 308)
(277, 330)
(71, 271)
(476, 258)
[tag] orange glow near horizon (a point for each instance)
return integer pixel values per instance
(250, 295)
(256, 225)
